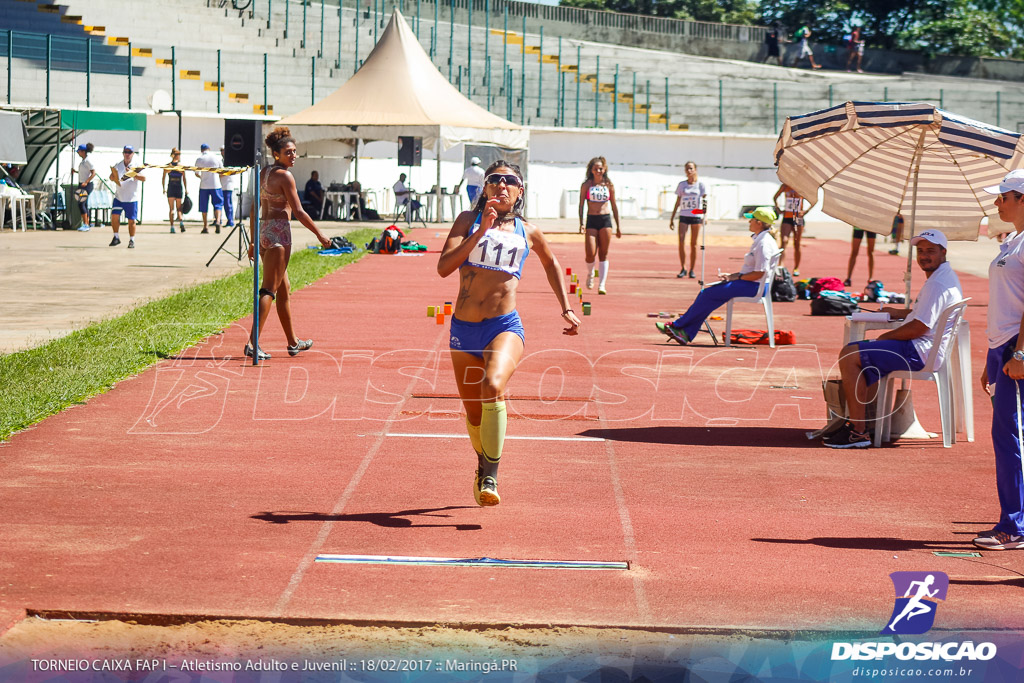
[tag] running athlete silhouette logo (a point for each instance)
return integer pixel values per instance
(917, 594)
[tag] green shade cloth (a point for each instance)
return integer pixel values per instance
(101, 120)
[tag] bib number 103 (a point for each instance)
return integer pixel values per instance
(494, 258)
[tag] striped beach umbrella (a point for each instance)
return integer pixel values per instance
(872, 159)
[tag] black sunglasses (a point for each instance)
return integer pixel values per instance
(509, 178)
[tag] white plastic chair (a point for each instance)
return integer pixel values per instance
(933, 372)
(765, 299)
(26, 203)
(371, 199)
(21, 204)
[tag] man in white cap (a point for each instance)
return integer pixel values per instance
(1003, 373)
(473, 176)
(863, 363)
(126, 196)
(209, 187)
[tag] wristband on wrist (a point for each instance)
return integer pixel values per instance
(568, 310)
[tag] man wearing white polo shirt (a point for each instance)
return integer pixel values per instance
(1003, 376)
(228, 185)
(863, 363)
(126, 198)
(473, 176)
(209, 187)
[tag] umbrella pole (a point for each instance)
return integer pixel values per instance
(913, 216)
(437, 184)
(905, 424)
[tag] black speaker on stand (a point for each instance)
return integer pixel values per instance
(242, 144)
(410, 151)
(241, 140)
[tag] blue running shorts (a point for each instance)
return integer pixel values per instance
(130, 209)
(473, 338)
(206, 196)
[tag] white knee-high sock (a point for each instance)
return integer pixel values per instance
(602, 268)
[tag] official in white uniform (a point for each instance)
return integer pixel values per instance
(1004, 366)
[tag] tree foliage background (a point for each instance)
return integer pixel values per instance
(981, 28)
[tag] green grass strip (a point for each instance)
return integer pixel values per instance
(42, 381)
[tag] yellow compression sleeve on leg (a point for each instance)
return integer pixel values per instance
(474, 436)
(492, 433)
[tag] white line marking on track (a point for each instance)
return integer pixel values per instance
(325, 529)
(507, 438)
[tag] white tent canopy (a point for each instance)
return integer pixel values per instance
(399, 92)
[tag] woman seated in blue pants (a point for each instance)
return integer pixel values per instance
(742, 284)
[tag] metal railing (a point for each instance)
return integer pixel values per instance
(588, 93)
(544, 13)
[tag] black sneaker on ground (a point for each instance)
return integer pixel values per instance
(116, 241)
(847, 437)
(204, 231)
(682, 273)
(692, 275)
(216, 227)
(300, 346)
(846, 282)
(248, 352)
(131, 244)
(999, 540)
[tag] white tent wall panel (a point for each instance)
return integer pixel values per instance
(645, 166)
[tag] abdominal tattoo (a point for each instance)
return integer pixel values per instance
(467, 283)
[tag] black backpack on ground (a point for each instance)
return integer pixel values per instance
(833, 305)
(783, 288)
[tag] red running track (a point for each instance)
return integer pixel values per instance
(205, 486)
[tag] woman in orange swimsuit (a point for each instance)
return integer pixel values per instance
(279, 201)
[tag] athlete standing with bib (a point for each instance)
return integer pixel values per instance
(792, 221)
(690, 195)
(488, 246)
(598, 194)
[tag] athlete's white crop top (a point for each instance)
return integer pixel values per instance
(500, 249)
